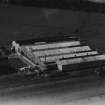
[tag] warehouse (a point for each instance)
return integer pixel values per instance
(59, 57)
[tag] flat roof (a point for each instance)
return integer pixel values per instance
(55, 38)
(81, 60)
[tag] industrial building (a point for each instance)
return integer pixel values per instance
(51, 57)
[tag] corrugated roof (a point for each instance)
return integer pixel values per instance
(62, 50)
(81, 60)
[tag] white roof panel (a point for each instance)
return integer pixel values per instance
(62, 51)
(55, 45)
(55, 57)
(81, 60)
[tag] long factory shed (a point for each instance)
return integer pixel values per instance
(66, 55)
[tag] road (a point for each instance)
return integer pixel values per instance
(82, 90)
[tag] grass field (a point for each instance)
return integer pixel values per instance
(18, 22)
(29, 22)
